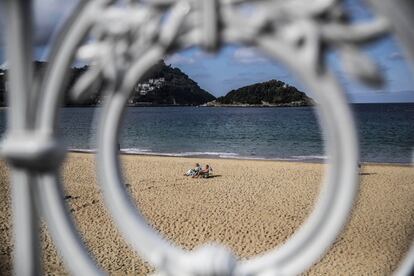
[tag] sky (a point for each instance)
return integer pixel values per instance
(235, 66)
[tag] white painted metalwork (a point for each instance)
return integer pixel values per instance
(123, 42)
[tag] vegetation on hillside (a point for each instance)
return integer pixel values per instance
(177, 88)
(273, 92)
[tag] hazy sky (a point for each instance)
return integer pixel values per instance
(236, 66)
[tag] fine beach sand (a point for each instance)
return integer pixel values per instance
(251, 206)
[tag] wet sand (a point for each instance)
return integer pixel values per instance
(250, 206)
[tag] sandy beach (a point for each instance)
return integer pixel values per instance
(250, 206)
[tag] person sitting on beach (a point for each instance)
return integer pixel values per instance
(204, 173)
(193, 172)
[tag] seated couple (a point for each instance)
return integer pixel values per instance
(197, 171)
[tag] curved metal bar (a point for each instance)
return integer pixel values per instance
(26, 259)
(400, 14)
(407, 265)
(61, 227)
(62, 56)
(143, 238)
(63, 231)
(359, 34)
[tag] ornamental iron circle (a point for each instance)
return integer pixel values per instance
(123, 41)
(337, 197)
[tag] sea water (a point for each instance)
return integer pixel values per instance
(386, 132)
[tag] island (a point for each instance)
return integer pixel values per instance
(273, 93)
(166, 85)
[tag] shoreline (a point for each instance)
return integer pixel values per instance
(245, 158)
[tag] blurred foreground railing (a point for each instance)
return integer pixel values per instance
(123, 42)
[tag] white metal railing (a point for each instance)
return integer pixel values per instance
(123, 42)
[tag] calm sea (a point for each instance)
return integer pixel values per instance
(386, 132)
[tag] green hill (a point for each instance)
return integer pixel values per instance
(269, 93)
(166, 85)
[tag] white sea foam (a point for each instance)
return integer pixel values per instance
(224, 155)
(310, 157)
(178, 154)
(135, 150)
